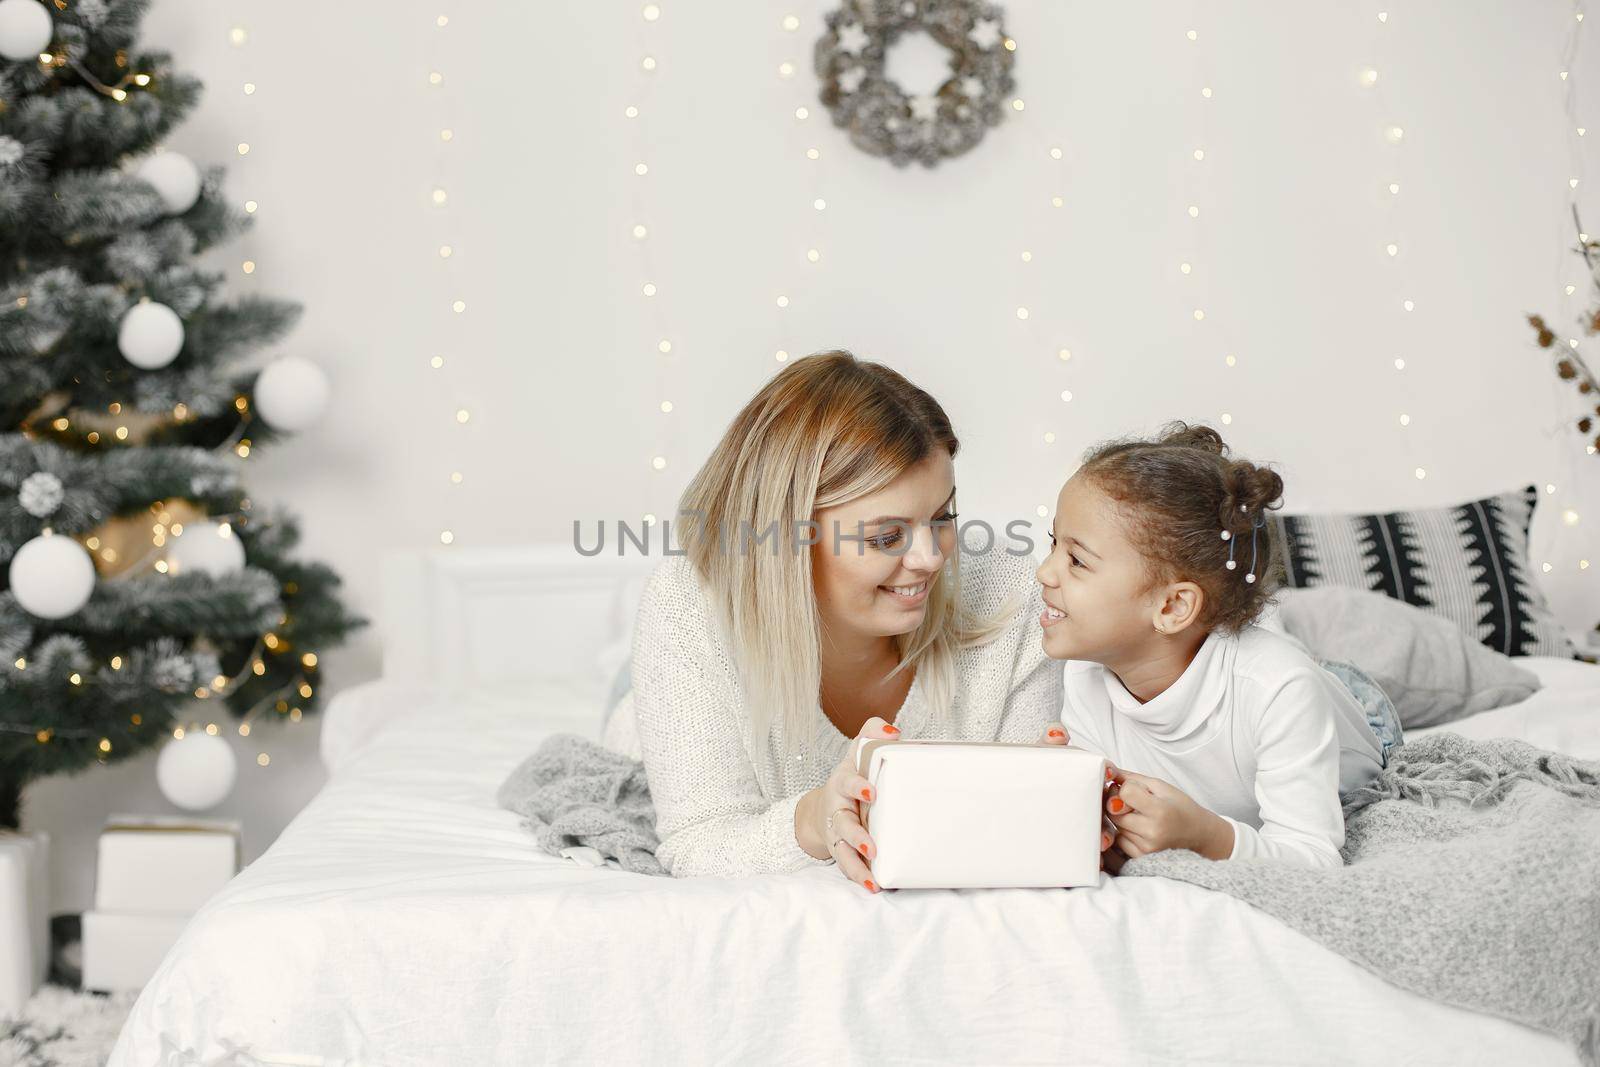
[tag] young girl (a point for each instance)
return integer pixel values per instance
(1160, 564)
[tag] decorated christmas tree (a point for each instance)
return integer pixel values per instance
(143, 591)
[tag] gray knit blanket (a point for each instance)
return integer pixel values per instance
(1472, 870)
(1472, 877)
(574, 793)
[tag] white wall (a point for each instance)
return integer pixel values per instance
(556, 354)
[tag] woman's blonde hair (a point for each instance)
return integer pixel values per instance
(827, 429)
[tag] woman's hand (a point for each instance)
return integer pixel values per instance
(1151, 815)
(1057, 735)
(827, 821)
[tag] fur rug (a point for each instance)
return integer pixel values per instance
(63, 1028)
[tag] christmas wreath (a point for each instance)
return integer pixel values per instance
(881, 118)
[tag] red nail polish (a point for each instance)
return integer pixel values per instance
(1055, 733)
(1105, 841)
(890, 728)
(862, 849)
(1117, 805)
(866, 794)
(871, 886)
(1109, 775)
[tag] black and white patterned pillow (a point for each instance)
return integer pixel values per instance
(1467, 563)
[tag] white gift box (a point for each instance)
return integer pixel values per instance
(163, 863)
(153, 873)
(983, 814)
(24, 917)
(121, 950)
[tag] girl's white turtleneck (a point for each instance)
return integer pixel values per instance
(1253, 729)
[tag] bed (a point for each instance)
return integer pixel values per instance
(402, 919)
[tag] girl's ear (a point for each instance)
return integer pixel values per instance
(1179, 608)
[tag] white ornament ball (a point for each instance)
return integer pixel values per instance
(52, 576)
(175, 177)
(291, 393)
(40, 494)
(25, 29)
(151, 335)
(196, 771)
(206, 547)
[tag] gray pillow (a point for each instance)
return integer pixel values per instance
(1432, 671)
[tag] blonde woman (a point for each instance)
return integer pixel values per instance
(820, 600)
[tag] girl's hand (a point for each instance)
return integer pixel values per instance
(1151, 815)
(1058, 735)
(828, 818)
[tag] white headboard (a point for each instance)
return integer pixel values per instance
(463, 617)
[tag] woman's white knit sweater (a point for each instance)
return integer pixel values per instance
(725, 805)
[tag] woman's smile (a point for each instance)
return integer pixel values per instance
(908, 594)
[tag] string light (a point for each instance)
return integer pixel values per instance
(1576, 162)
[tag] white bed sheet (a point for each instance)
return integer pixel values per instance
(402, 919)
